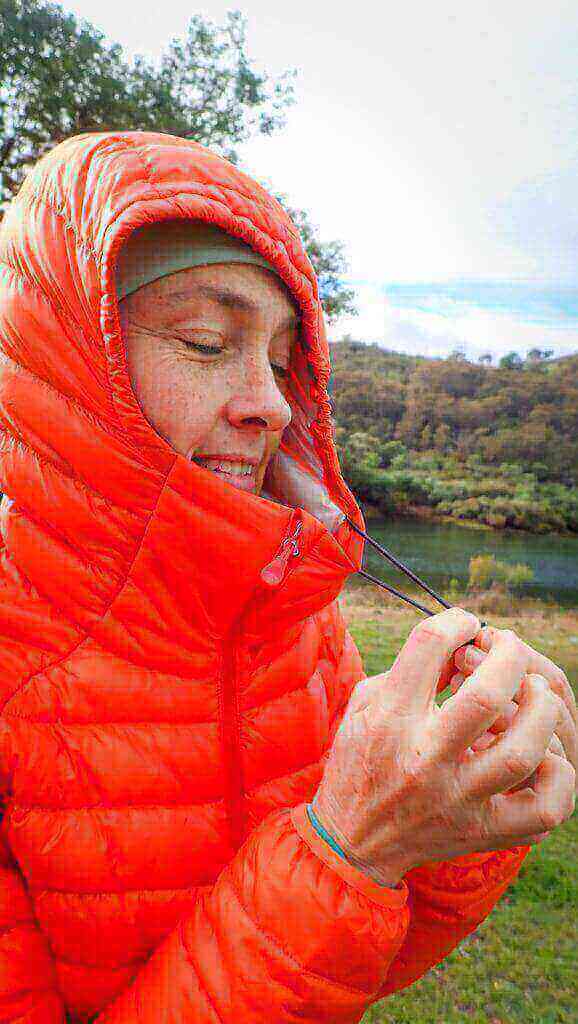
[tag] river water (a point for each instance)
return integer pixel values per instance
(438, 551)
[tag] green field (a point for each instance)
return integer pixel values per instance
(520, 966)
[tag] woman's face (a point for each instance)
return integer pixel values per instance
(207, 352)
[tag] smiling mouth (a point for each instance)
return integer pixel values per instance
(241, 474)
(230, 466)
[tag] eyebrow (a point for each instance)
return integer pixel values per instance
(233, 300)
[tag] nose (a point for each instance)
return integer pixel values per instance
(257, 400)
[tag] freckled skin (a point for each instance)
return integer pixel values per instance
(230, 400)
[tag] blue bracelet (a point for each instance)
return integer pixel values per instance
(324, 835)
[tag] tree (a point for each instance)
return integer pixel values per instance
(329, 263)
(536, 355)
(486, 357)
(58, 77)
(458, 353)
(511, 361)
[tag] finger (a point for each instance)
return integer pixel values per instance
(510, 842)
(502, 722)
(533, 811)
(445, 675)
(456, 681)
(484, 696)
(468, 658)
(520, 749)
(566, 731)
(505, 720)
(487, 739)
(556, 746)
(539, 663)
(415, 674)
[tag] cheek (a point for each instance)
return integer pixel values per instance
(179, 399)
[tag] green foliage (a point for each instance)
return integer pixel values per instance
(474, 442)
(329, 263)
(486, 570)
(59, 77)
(512, 361)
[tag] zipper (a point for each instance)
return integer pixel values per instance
(272, 575)
(275, 571)
(231, 740)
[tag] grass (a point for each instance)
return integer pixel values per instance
(520, 965)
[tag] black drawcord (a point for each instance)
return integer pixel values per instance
(392, 590)
(399, 565)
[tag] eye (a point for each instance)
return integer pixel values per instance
(208, 350)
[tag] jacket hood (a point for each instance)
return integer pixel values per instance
(97, 504)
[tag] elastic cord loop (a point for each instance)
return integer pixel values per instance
(323, 833)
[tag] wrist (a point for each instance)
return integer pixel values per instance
(390, 870)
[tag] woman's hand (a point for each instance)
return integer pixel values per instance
(405, 784)
(565, 739)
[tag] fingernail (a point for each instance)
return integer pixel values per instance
(456, 681)
(473, 656)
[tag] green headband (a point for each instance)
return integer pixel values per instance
(158, 250)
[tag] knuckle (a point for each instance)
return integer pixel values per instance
(557, 705)
(570, 781)
(561, 685)
(427, 630)
(555, 809)
(549, 818)
(560, 680)
(538, 680)
(509, 636)
(437, 628)
(485, 701)
(538, 688)
(547, 701)
(519, 763)
(416, 769)
(468, 618)
(513, 643)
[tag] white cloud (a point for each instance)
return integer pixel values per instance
(436, 140)
(450, 324)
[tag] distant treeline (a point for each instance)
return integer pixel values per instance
(498, 445)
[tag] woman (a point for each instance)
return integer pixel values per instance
(175, 666)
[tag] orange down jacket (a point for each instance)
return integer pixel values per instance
(173, 661)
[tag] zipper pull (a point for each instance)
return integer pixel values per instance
(273, 573)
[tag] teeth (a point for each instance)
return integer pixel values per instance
(234, 468)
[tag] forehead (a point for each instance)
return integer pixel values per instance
(239, 288)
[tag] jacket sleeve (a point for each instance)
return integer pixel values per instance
(288, 932)
(447, 899)
(28, 989)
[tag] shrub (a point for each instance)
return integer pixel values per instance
(495, 601)
(486, 571)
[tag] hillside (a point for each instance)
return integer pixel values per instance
(473, 441)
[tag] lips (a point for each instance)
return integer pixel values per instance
(238, 471)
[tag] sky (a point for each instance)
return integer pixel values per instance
(438, 142)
